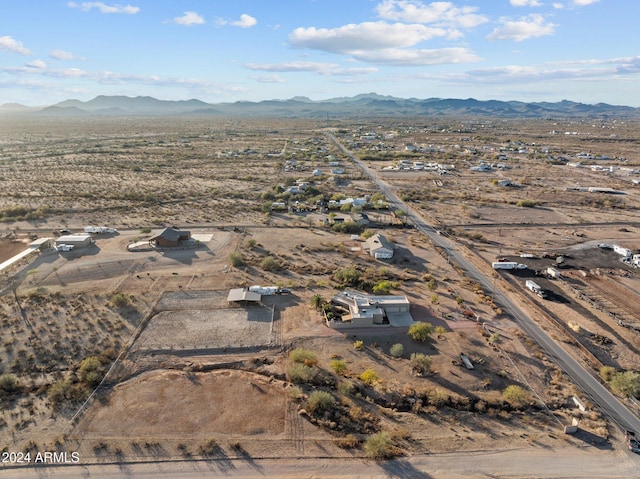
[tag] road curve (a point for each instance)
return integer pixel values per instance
(583, 378)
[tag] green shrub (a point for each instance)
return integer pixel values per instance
(90, 371)
(320, 401)
(607, 373)
(384, 287)
(8, 383)
(626, 383)
(397, 350)
(516, 395)
(369, 376)
(420, 363)
(347, 276)
(236, 259)
(295, 392)
(358, 344)
(432, 284)
(269, 263)
(338, 365)
(379, 446)
(346, 387)
(420, 331)
(303, 356)
(299, 373)
(439, 330)
(120, 300)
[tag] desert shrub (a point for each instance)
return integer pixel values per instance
(64, 391)
(516, 395)
(90, 371)
(236, 259)
(295, 392)
(120, 300)
(367, 234)
(432, 284)
(269, 263)
(251, 243)
(527, 203)
(339, 366)
(434, 299)
(607, 373)
(209, 448)
(348, 442)
(397, 350)
(420, 363)
(300, 373)
(379, 446)
(384, 287)
(626, 383)
(348, 227)
(494, 338)
(317, 301)
(303, 356)
(369, 376)
(420, 331)
(359, 344)
(320, 401)
(439, 330)
(8, 383)
(347, 276)
(346, 387)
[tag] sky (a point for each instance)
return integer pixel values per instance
(224, 51)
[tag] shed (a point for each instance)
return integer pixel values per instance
(238, 295)
(77, 241)
(170, 237)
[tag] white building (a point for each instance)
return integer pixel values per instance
(366, 310)
(379, 247)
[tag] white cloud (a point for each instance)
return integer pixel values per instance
(104, 8)
(363, 36)
(558, 6)
(7, 43)
(189, 18)
(268, 79)
(38, 64)
(314, 67)
(417, 57)
(584, 3)
(62, 55)
(525, 3)
(246, 21)
(444, 14)
(527, 27)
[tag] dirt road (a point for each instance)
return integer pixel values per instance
(540, 463)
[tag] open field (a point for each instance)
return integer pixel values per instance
(185, 356)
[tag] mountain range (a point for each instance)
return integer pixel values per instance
(364, 105)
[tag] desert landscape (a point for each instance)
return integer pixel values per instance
(130, 351)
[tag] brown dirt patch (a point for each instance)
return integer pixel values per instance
(178, 404)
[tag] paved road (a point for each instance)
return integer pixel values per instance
(565, 463)
(609, 404)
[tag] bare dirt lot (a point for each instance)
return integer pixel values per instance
(188, 375)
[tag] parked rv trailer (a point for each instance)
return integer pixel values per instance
(508, 265)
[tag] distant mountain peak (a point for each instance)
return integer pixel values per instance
(365, 104)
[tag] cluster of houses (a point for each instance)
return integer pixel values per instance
(406, 165)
